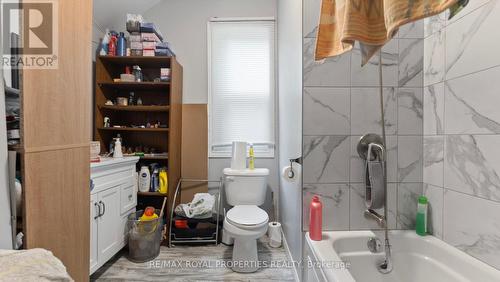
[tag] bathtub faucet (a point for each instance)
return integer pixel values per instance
(376, 216)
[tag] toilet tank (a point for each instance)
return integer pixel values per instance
(246, 186)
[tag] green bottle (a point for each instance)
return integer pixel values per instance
(421, 222)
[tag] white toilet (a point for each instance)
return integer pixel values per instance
(245, 222)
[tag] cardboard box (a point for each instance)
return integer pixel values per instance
(136, 45)
(149, 45)
(150, 37)
(148, 53)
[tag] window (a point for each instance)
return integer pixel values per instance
(241, 62)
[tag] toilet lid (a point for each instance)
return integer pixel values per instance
(247, 215)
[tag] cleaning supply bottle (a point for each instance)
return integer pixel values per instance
(251, 159)
(112, 45)
(121, 45)
(163, 181)
(149, 214)
(421, 221)
(144, 179)
(315, 219)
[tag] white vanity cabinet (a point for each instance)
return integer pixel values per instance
(113, 197)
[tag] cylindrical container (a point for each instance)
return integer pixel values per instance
(315, 219)
(421, 221)
(239, 155)
(122, 45)
(117, 153)
(112, 45)
(144, 179)
(163, 181)
(144, 238)
(274, 234)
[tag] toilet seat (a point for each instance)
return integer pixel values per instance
(247, 216)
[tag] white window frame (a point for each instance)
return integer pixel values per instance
(261, 150)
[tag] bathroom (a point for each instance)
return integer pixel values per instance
(307, 122)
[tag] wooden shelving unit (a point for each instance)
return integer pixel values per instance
(161, 101)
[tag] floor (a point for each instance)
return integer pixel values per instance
(200, 263)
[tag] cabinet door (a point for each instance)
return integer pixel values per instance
(109, 223)
(94, 214)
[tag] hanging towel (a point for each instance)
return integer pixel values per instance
(371, 22)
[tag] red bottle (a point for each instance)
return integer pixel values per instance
(315, 219)
(112, 45)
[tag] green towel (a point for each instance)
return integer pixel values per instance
(455, 9)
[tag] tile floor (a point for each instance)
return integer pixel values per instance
(197, 263)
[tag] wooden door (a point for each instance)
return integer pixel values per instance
(55, 114)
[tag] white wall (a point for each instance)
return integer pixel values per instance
(184, 24)
(290, 118)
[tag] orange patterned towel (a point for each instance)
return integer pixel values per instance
(371, 22)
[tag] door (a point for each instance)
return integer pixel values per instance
(109, 223)
(94, 214)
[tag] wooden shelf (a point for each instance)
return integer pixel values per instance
(154, 158)
(150, 62)
(151, 194)
(133, 129)
(136, 85)
(136, 108)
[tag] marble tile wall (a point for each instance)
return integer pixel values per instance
(461, 146)
(340, 104)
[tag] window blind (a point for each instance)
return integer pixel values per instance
(242, 85)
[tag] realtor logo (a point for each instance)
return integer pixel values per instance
(29, 34)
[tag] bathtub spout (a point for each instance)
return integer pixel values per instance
(377, 217)
(386, 266)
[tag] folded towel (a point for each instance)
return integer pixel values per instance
(371, 22)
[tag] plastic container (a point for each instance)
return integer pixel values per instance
(144, 237)
(121, 48)
(144, 179)
(315, 219)
(421, 220)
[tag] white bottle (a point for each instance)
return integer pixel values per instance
(144, 179)
(117, 153)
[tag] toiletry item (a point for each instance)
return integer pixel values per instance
(109, 103)
(251, 158)
(121, 45)
(163, 181)
(149, 214)
(117, 153)
(104, 43)
(131, 98)
(274, 234)
(112, 45)
(144, 179)
(239, 156)
(154, 180)
(315, 219)
(421, 221)
(138, 73)
(165, 74)
(139, 101)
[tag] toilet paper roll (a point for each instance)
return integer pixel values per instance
(288, 175)
(274, 234)
(239, 156)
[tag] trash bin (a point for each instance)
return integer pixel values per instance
(144, 237)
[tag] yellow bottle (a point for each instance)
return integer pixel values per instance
(163, 181)
(251, 159)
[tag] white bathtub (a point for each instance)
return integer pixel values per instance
(415, 259)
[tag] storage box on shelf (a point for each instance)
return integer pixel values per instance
(161, 108)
